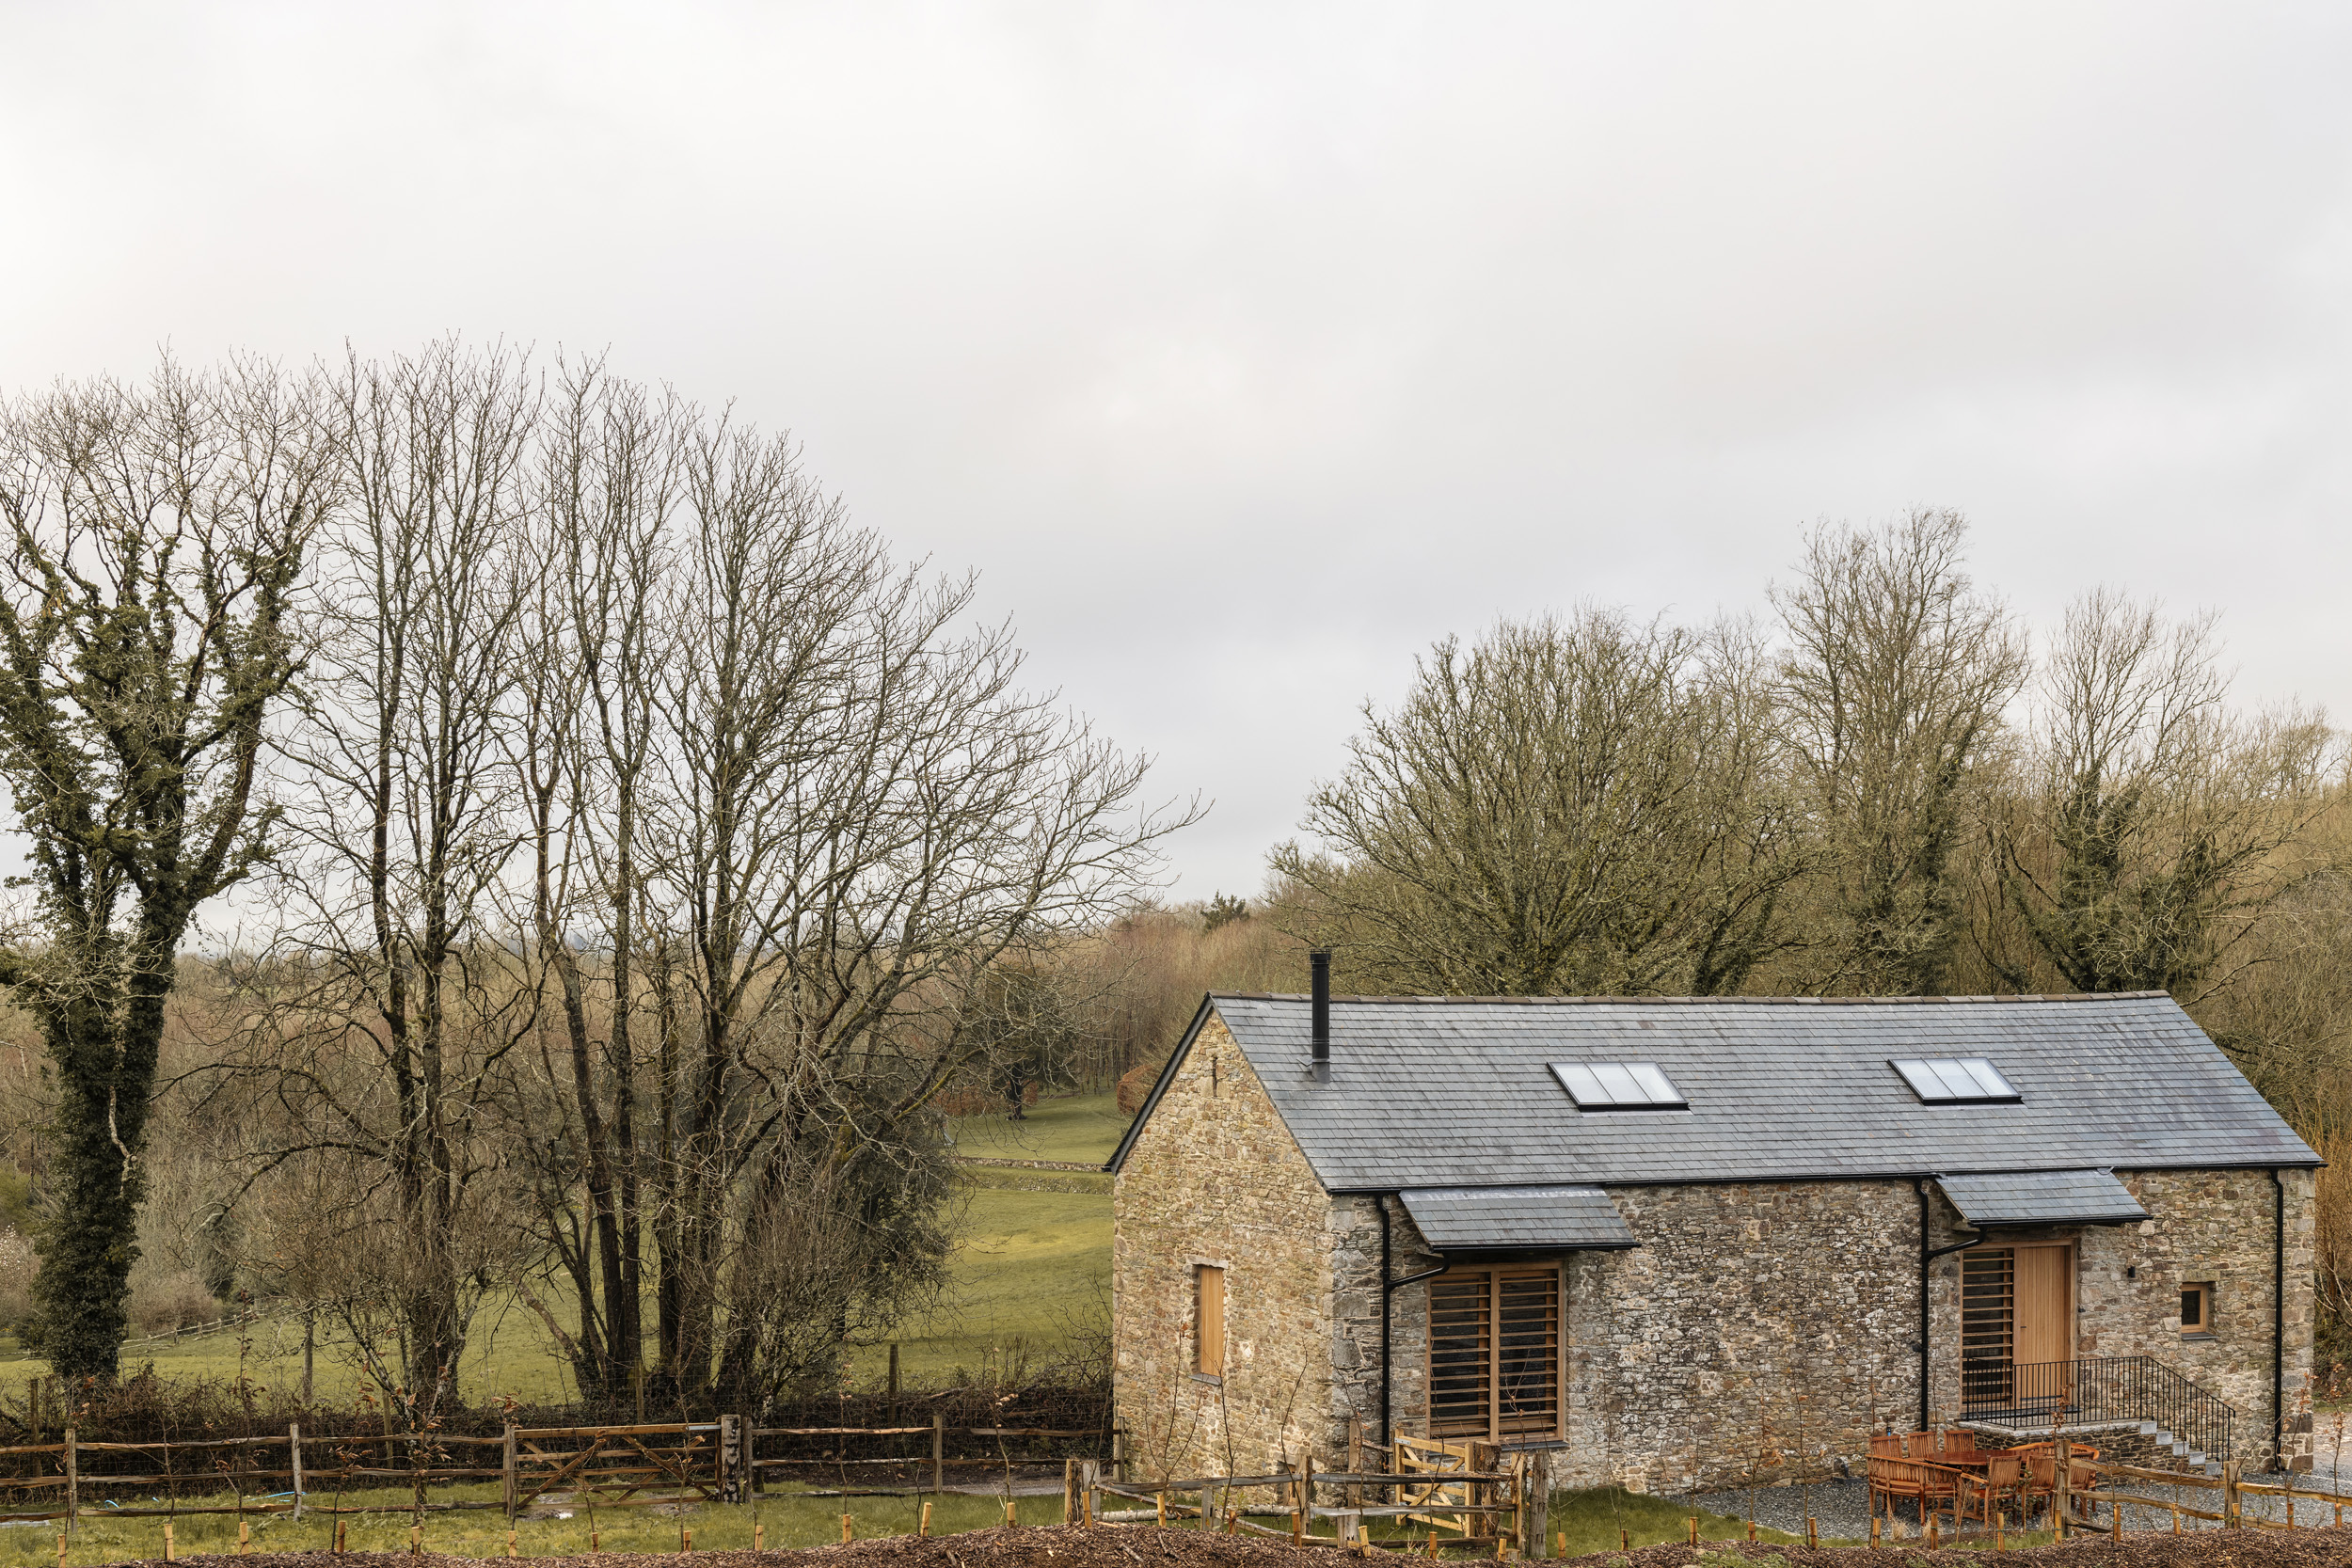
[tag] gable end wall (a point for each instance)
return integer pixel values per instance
(1215, 1177)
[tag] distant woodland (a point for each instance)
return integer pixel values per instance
(496, 829)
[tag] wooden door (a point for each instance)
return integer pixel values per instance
(2044, 1330)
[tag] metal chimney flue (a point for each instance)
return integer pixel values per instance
(1319, 965)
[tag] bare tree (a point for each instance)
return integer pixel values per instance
(860, 817)
(612, 455)
(1893, 686)
(156, 541)
(387, 1043)
(2142, 843)
(1565, 807)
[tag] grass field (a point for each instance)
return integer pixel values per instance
(1589, 1521)
(1032, 1271)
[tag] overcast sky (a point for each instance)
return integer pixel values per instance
(1244, 351)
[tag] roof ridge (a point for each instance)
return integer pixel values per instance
(1703, 1000)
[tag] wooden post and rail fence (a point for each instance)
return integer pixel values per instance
(605, 1467)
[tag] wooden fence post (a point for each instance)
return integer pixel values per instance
(1090, 1472)
(1356, 1457)
(939, 1446)
(2231, 1501)
(1119, 1453)
(73, 1480)
(747, 1434)
(509, 1492)
(722, 1462)
(1208, 1507)
(293, 1457)
(1068, 1490)
(1538, 1542)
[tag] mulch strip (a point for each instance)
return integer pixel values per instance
(1066, 1546)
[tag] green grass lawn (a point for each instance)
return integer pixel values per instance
(1586, 1521)
(1032, 1268)
(1085, 1128)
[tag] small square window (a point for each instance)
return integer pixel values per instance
(2196, 1310)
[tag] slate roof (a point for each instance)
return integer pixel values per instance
(2041, 1198)
(1515, 1219)
(1434, 1091)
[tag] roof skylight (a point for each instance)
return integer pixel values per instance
(1618, 1086)
(1956, 1081)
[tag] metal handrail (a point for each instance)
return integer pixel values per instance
(2098, 1391)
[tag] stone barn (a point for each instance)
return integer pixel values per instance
(1685, 1241)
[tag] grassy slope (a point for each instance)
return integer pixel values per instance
(1034, 1263)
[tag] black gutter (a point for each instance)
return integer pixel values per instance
(1389, 1288)
(1927, 1255)
(2278, 1322)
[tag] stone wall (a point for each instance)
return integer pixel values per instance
(1215, 1178)
(1766, 1330)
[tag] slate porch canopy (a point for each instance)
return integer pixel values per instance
(1518, 1219)
(2041, 1198)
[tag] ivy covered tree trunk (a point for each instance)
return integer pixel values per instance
(153, 539)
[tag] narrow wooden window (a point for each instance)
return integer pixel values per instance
(1461, 1353)
(1988, 1326)
(1208, 1320)
(2197, 1308)
(1494, 1352)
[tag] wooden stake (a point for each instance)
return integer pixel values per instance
(510, 1545)
(1163, 1507)
(1625, 1540)
(687, 1537)
(416, 1541)
(506, 1481)
(1560, 1539)
(338, 1535)
(759, 1532)
(1694, 1530)
(1013, 1519)
(2115, 1520)
(60, 1549)
(845, 1526)
(1812, 1537)
(1874, 1529)
(1935, 1534)
(169, 1555)
(926, 1528)
(245, 1539)
(596, 1541)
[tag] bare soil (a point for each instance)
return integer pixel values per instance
(1067, 1546)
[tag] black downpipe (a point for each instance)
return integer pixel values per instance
(1319, 965)
(1927, 1255)
(2278, 1322)
(1387, 1289)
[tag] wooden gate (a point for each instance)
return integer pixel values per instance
(610, 1466)
(1457, 1505)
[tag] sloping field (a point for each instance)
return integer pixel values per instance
(1032, 1273)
